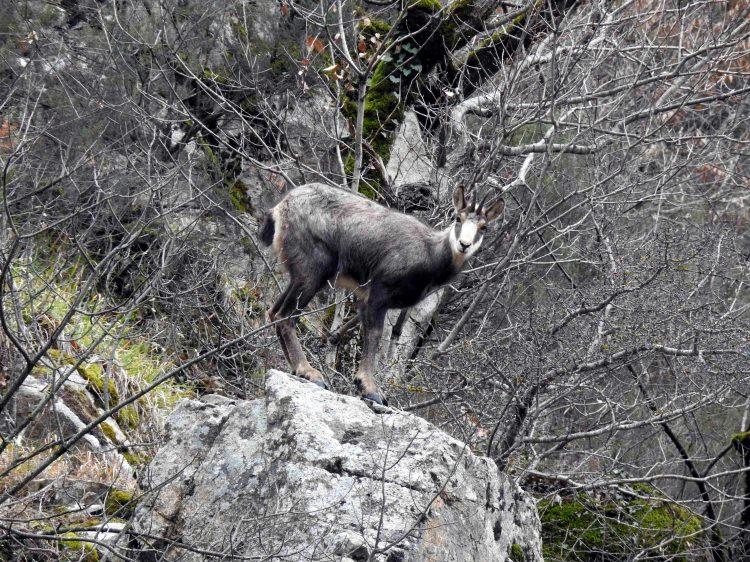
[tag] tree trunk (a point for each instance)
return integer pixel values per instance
(741, 443)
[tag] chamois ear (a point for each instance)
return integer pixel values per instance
(459, 202)
(493, 210)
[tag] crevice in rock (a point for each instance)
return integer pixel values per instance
(497, 529)
(352, 435)
(336, 467)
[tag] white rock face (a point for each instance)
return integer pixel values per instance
(410, 161)
(306, 474)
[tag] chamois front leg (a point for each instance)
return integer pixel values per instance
(294, 299)
(372, 318)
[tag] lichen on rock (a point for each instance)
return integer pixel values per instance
(308, 474)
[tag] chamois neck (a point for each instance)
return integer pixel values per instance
(455, 261)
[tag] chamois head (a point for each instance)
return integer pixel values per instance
(471, 221)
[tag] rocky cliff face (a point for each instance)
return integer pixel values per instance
(306, 474)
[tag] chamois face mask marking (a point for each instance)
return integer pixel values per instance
(467, 232)
(467, 235)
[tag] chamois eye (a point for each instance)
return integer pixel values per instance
(483, 227)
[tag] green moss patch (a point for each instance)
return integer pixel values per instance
(416, 46)
(84, 551)
(372, 26)
(94, 374)
(108, 431)
(128, 417)
(587, 529)
(516, 554)
(239, 198)
(119, 503)
(136, 459)
(60, 357)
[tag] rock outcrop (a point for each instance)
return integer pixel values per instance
(73, 406)
(306, 474)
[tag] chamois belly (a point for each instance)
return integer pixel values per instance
(407, 290)
(380, 273)
(360, 290)
(396, 294)
(407, 296)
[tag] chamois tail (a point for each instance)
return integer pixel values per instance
(267, 229)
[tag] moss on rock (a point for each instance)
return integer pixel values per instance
(128, 417)
(61, 357)
(108, 431)
(516, 554)
(135, 458)
(119, 503)
(84, 551)
(94, 374)
(239, 197)
(416, 47)
(372, 27)
(383, 107)
(741, 440)
(586, 529)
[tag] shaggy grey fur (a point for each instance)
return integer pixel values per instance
(390, 260)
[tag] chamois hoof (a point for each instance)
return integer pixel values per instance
(311, 375)
(377, 398)
(318, 382)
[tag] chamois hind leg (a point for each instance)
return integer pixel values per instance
(372, 317)
(273, 311)
(294, 299)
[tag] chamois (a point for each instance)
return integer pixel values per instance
(322, 234)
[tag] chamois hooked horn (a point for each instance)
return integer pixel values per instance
(480, 207)
(471, 206)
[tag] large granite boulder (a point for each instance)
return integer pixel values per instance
(306, 474)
